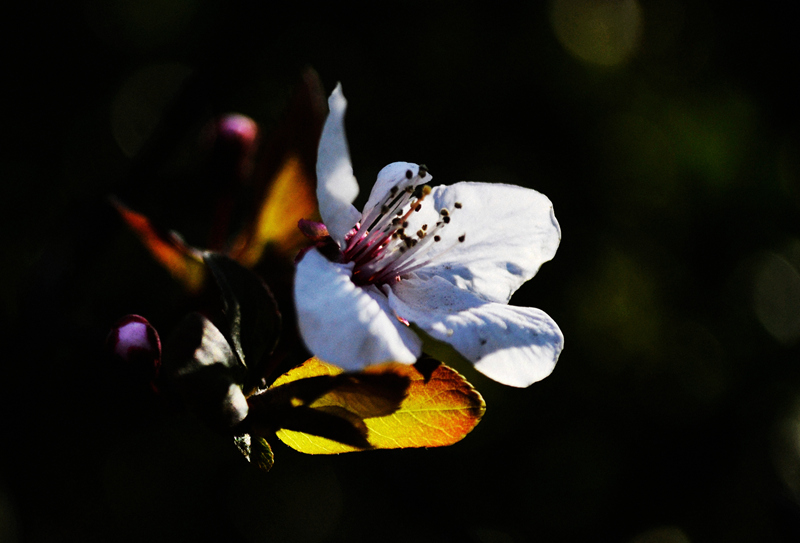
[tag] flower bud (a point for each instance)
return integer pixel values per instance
(135, 346)
(234, 139)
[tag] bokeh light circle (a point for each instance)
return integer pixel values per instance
(600, 32)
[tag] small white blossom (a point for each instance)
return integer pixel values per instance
(446, 258)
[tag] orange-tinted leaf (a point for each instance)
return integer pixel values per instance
(182, 261)
(436, 412)
(290, 197)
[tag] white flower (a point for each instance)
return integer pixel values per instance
(447, 259)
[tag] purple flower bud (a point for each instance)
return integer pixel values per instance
(233, 139)
(135, 345)
(238, 128)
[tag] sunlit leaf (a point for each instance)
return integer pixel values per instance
(290, 198)
(436, 412)
(330, 423)
(376, 391)
(183, 262)
(320, 400)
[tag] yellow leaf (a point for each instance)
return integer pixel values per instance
(290, 197)
(284, 179)
(310, 368)
(436, 412)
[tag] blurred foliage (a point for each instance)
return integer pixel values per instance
(665, 133)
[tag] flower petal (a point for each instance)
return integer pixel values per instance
(346, 325)
(515, 346)
(397, 175)
(509, 232)
(336, 185)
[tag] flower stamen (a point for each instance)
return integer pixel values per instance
(393, 264)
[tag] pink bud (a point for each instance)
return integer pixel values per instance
(315, 231)
(237, 128)
(232, 139)
(135, 344)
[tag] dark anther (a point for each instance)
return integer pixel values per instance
(462, 237)
(385, 209)
(405, 224)
(444, 212)
(424, 226)
(419, 206)
(437, 238)
(409, 174)
(457, 205)
(446, 219)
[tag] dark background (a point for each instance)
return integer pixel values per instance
(671, 156)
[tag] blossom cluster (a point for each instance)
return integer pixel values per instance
(423, 274)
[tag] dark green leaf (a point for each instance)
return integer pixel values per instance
(256, 450)
(251, 314)
(200, 366)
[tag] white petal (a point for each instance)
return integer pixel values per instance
(394, 175)
(515, 346)
(337, 188)
(346, 325)
(509, 233)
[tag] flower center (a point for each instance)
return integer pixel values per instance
(383, 246)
